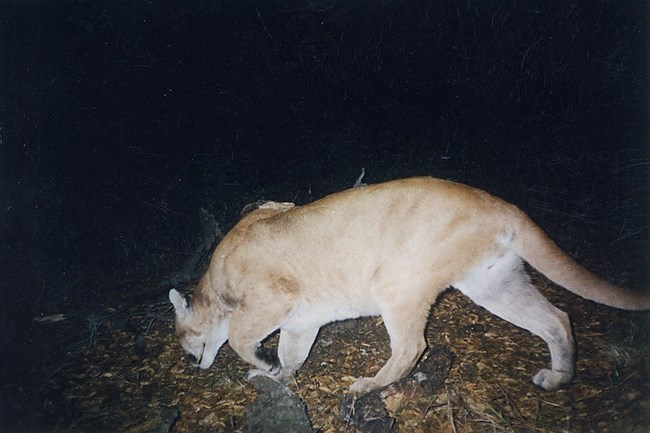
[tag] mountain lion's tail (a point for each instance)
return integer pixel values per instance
(534, 246)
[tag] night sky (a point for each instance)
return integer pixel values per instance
(122, 121)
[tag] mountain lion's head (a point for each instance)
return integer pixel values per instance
(201, 335)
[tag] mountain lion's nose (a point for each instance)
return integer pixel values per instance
(191, 359)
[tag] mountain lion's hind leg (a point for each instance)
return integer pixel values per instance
(503, 288)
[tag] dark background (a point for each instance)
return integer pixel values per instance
(125, 124)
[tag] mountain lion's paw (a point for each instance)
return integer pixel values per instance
(551, 380)
(363, 385)
(257, 372)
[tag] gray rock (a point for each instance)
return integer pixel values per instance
(276, 409)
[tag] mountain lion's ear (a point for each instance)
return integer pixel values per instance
(179, 302)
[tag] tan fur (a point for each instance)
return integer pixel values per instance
(387, 249)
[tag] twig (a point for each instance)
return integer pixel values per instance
(549, 403)
(159, 206)
(573, 216)
(523, 60)
(618, 385)
(450, 415)
(430, 406)
(265, 29)
(46, 382)
(510, 402)
(358, 182)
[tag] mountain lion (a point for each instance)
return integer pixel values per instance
(387, 249)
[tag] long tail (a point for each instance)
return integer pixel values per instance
(534, 246)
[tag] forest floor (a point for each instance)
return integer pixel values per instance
(119, 369)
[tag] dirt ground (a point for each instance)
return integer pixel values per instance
(120, 369)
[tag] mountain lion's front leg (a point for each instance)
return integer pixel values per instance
(405, 325)
(245, 338)
(293, 349)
